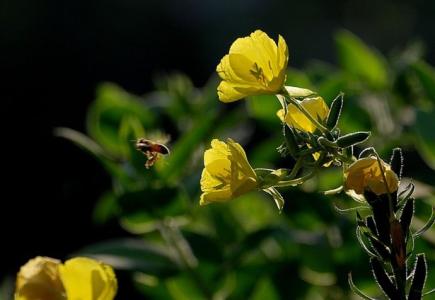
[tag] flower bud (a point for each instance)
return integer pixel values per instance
(39, 279)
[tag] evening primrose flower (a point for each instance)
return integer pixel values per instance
(317, 108)
(365, 174)
(44, 278)
(85, 278)
(254, 65)
(227, 173)
(39, 279)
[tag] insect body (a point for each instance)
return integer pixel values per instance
(152, 150)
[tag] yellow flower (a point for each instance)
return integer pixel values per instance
(366, 174)
(39, 279)
(44, 278)
(317, 108)
(88, 279)
(227, 173)
(254, 65)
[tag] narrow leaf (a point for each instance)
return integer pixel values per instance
(396, 162)
(360, 60)
(383, 280)
(356, 290)
(406, 217)
(429, 292)
(418, 281)
(367, 248)
(277, 197)
(334, 112)
(350, 209)
(290, 141)
(379, 247)
(352, 139)
(370, 222)
(367, 152)
(428, 225)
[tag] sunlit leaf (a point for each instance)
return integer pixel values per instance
(265, 290)
(185, 147)
(134, 255)
(105, 209)
(426, 75)
(358, 59)
(111, 106)
(426, 136)
(264, 109)
(184, 288)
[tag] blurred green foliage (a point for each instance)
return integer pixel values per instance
(244, 249)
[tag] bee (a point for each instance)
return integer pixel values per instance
(152, 150)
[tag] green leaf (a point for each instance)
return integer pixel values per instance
(7, 288)
(290, 140)
(265, 290)
(359, 60)
(298, 78)
(105, 209)
(334, 112)
(406, 217)
(134, 255)
(352, 139)
(253, 211)
(396, 162)
(329, 179)
(331, 86)
(90, 146)
(106, 114)
(162, 201)
(425, 136)
(277, 197)
(264, 109)
(383, 280)
(428, 224)
(183, 288)
(265, 151)
(426, 75)
(419, 278)
(356, 290)
(177, 162)
(82, 141)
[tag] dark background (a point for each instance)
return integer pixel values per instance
(54, 53)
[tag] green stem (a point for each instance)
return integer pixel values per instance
(345, 159)
(296, 168)
(285, 183)
(333, 191)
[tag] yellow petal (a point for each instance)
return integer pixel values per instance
(258, 48)
(221, 195)
(39, 279)
(227, 172)
(243, 186)
(216, 159)
(88, 279)
(366, 174)
(282, 54)
(242, 68)
(254, 65)
(239, 157)
(294, 91)
(211, 183)
(316, 107)
(227, 92)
